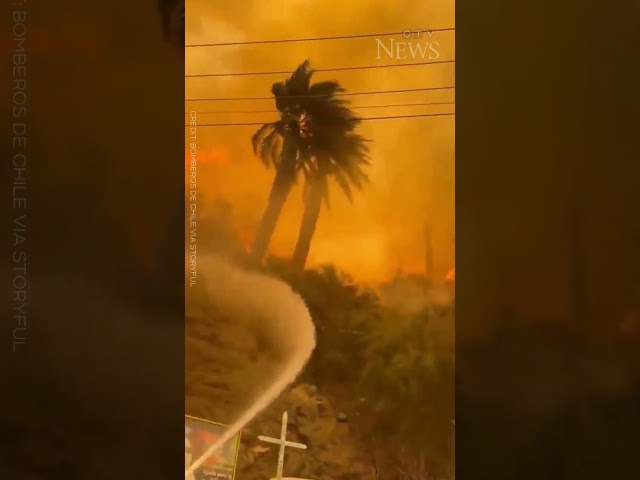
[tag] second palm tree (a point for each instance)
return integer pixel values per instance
(314, 135)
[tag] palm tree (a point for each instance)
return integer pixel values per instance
(338, 153)
(314, 135)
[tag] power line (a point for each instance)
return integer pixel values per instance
(346, 94)
(339, 69)
(317, 39)
(360, 119)
(354, 108)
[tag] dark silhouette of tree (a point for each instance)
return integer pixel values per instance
(277, 145)
(337, 152)
(315, 136)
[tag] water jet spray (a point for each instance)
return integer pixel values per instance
(273, 303)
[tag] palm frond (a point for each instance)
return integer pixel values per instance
(290, 93)
(279, 91)
(343, 183)
(356, 175)
(276, 150)
(332, 121)
(266, 148)
(325, 89)
(258, 136)
(305, 163)
(298, 83)
(324, 187)
(350, 154)
(267, 143)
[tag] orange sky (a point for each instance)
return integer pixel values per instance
(412, 171)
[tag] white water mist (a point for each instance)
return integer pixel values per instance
(277, 307)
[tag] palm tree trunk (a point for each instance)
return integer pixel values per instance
(308, 226)
(280, 189)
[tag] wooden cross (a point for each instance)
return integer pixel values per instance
(283, 442)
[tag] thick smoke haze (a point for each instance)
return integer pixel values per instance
(412, 171)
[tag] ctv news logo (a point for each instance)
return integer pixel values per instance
(414, 45)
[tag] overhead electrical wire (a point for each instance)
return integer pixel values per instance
(229, 112)
(416, 32)
(359, 119)
(407, 34)
(336, 69)
(344, 94)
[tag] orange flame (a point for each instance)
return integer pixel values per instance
(245, 236)
(210, 157)
(451, 276)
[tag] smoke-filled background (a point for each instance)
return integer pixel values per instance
(412, 171)
(375, 281)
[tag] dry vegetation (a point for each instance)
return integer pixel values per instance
(379, 380)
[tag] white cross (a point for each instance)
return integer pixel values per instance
(283, 442)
